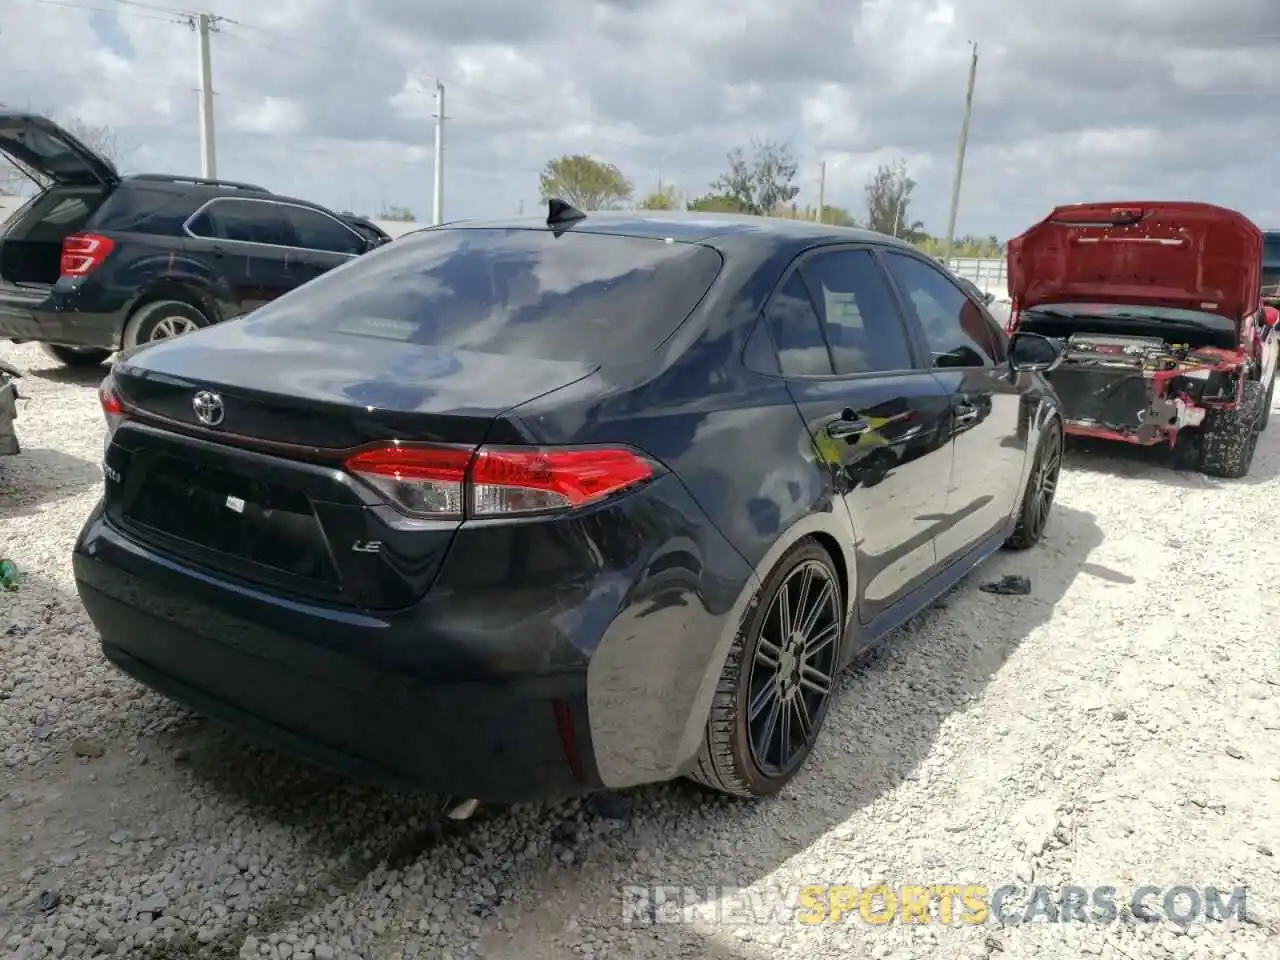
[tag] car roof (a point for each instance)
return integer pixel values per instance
(219, 190)
(714, 229)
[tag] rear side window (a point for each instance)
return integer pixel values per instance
(318, 231)
(246, 221)
(797, 331)
(133, 208)
(859, 313)
(587, 297)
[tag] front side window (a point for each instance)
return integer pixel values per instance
(957, 332)
(318, 231)
(246, 221)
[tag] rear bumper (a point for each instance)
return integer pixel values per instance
(464, 695)
(8, 414)
(335, 699)
(54, 316)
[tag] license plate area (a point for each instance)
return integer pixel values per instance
(227, 520)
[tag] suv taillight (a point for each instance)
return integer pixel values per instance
(450, 483)
(82, 253)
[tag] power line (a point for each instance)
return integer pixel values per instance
(70, 4)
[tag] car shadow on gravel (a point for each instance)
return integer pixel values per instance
(37, 476)
(77, 376)
(1124, 461)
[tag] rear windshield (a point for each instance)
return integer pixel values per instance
(586, 297)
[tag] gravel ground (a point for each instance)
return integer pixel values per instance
(1116, 727)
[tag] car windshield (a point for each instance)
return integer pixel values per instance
(1271, 260)
(519, 292)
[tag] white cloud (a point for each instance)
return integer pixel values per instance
(333, 100)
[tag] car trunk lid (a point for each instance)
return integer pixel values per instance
(1192, 256)
(254, 489)
(36, 144)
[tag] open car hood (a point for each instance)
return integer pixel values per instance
(39, 145)
(1192, 256)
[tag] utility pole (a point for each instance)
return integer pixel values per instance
(438, 207)
(822, 187)
(964, 141)
(204, 24)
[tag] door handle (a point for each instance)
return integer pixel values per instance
(965, 413)
(839, 429)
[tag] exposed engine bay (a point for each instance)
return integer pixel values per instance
(1139, 388)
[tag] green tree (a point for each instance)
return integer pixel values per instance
(585, 182)
(715, 203)
(889, 202)
(403, 214)
(761, 183)
(838, 217)
(664, 198)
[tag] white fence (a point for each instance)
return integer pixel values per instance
(990, 274)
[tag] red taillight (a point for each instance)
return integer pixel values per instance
(495, 481)
(112, 408)
(82, 253)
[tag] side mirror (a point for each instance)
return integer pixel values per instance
(1270, 315)
(1032, 353)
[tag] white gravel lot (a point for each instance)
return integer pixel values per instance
(1119, 726)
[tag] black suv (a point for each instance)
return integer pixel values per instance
(97, 262)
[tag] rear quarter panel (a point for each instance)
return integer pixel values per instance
(736, 443)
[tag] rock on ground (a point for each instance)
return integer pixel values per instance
(1116, 727)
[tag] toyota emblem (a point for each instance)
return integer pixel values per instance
(208, 408)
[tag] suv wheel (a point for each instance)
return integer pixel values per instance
(1230, 435)
(778, 679)
(162, 320)
(75, 356)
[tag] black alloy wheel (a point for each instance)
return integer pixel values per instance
(1042, 485)
(1045, 484)
(793, 671)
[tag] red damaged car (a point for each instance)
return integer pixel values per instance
(1159, 307)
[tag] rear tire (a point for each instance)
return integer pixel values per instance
(1230, 436)
(162, 320)
(778, 679)
(79, 357)
(1042, 485)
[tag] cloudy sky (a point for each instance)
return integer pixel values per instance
(333, 99)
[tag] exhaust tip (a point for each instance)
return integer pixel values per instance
(463, 810)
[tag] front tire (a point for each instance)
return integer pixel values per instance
(1042, 486)
(77, 357)
(778, 679)
(1230, 435)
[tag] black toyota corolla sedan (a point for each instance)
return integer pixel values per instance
(511, 510)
